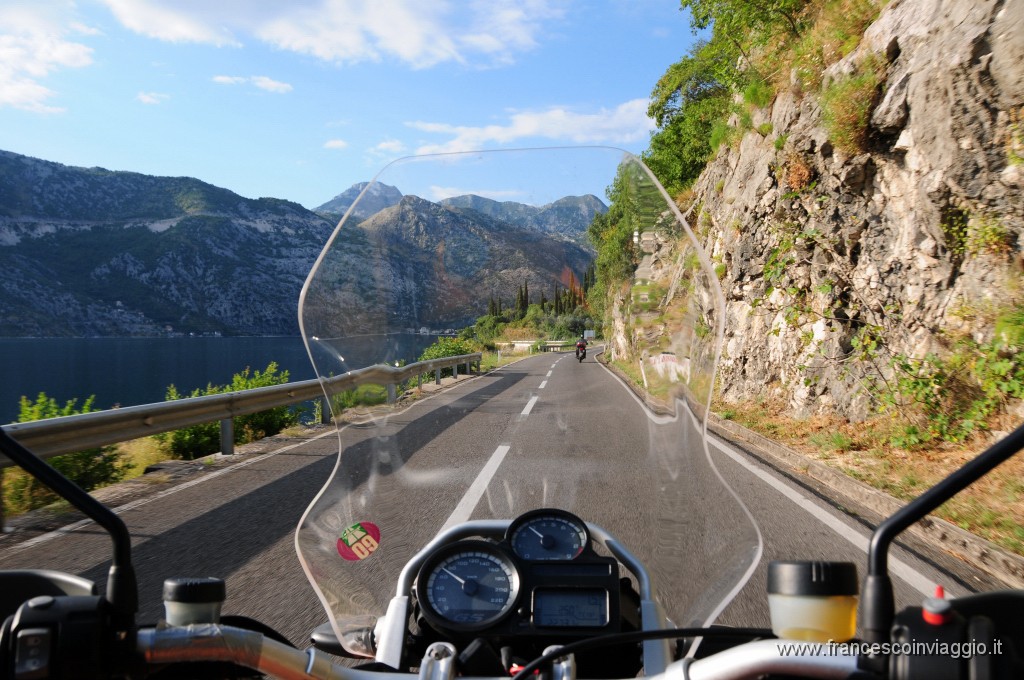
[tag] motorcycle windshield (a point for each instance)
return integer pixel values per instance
(517, 254)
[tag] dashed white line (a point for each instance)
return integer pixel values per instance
(543, 385)
(529, 405)
(476, 490)
(549, 374)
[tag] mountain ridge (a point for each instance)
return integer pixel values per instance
(94, 252)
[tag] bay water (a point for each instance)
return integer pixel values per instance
(131, 371)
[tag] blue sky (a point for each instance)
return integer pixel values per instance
(300, 99)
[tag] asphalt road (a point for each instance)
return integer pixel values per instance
(545, 431)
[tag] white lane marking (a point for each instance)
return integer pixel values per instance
(476, 490)
(900, 568)
(913, 577)
(529, 406)
(549, 374)
(543, 385)
(121, 509)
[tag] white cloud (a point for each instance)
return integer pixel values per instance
(438, 193)
(419, 34)
(262, 82)
(270, 85)
(625, 124)
(175, 21)
(335, 144)
(33, 44)
(390, 146)
(387, 150)
(152, 97)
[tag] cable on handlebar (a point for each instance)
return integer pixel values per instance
(637, 636)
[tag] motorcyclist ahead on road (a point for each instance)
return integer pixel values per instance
(581, 346)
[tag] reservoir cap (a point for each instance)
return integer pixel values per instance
(195, 590)
(809, 578)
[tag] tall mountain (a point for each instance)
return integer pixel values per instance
(420, 263)
(377, 197)
(93, 252)
(88, 251)
(567, 217)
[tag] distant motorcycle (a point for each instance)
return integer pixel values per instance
(581, 351)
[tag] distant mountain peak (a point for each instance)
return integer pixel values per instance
(377, 197)
(567, 217)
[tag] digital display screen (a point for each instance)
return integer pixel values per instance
(573, 608)
(570, 569)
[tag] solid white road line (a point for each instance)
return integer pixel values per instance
(121, 509)
(914, 578)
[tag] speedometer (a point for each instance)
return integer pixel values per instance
(548, 535)
(468, 585)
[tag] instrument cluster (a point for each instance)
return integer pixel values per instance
(544, 577)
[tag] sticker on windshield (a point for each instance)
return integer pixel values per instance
(359, 541)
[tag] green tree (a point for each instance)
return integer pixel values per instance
(692, 96)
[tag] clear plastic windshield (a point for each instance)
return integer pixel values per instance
(518, 255)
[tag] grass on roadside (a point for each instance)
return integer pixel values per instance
(992, 508)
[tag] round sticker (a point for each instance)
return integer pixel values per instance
(359, 541)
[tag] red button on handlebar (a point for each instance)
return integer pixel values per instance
(937, 610)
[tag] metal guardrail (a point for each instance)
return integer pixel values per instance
(67, 434)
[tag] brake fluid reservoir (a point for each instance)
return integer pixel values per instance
(813, 601)
(193, 600)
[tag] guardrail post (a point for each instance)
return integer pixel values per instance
(392, 393)
(227, 437)
(325, 411)
(437, 376)
(455, 371)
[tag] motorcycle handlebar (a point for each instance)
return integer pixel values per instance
(214, 642)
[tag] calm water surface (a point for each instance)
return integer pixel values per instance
(130, 371)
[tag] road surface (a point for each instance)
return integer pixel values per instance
(558, 420)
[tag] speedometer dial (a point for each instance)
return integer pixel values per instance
(467, 586)
(548, 535)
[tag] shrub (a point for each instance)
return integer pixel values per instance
(758, 93)
(446, 347)
(203, 439)
(89, 469)
(798, 172)
(847, 103)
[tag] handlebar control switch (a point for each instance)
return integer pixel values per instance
(32, 654)
(193, 600)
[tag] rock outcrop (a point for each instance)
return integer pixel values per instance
(843, 260)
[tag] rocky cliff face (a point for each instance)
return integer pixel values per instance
(843, 260)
